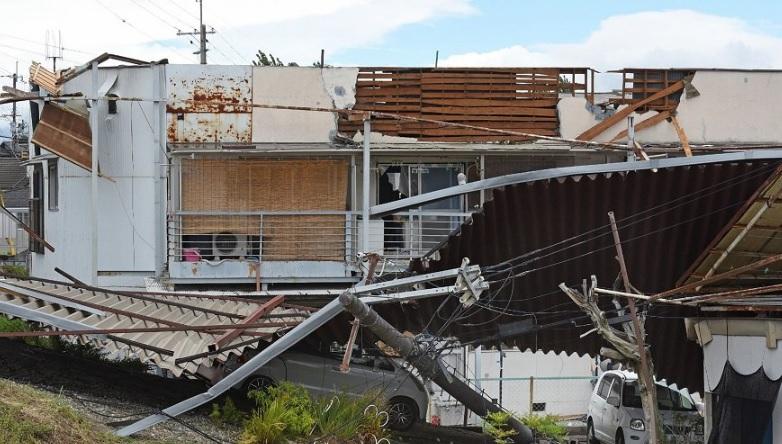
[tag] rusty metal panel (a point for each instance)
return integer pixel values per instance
(66, 134)
(209, 103)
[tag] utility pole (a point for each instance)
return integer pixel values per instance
(54, 48)
(428, 366)
(14, 126)
(201, 32)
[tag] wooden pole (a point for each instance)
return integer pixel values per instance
(645, 369)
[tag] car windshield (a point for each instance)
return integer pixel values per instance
(667, 399)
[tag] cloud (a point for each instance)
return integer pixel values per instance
(660, 39)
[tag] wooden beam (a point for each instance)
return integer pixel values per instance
(104, 331)
(608, 122)
(27, 228)
(259, 312)
(682, 136)
(646, 123)
(719, 277)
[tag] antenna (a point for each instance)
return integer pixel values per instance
(201, 32)
(54, 47)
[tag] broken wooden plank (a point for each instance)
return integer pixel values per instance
(27, 228)
(608, 122)
(686, 288)
(260, 312)
(66, 134)
(682, 135)
(646, 123)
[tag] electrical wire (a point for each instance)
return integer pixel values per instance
(653, 212)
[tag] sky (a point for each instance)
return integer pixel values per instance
(604, 34)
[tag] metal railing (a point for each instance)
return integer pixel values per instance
(414, 234)
(303, 235)
(263, 235)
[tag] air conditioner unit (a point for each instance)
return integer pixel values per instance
(229, 246)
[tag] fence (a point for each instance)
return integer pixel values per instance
(565, 396)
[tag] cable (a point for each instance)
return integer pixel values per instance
(653, 210)
(39, 43)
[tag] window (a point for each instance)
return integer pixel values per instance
(36, 209)
(615, 389)
(54, 185)
(605, 385)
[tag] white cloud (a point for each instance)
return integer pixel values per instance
(663, 39)
(294, 30)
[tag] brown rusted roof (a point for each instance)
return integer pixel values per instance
(681, 210)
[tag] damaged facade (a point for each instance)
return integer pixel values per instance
(201, 182)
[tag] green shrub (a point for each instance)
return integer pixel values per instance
(228, 414)
(286, 413)
(545, 426)
(14, 271)
(497, 427)
(12, 325)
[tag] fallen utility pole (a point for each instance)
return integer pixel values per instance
(644, 365)
(429, 367)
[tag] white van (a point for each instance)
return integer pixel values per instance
(615, 415)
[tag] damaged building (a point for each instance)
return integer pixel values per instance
(163, 177)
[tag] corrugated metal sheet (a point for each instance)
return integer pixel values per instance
(158, 348)
(683, 209)
(209, 104)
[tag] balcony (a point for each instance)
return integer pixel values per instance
(294, 246)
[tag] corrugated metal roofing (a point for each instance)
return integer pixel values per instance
(666, 218)
(105, 310)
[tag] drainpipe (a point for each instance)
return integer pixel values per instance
(365, 188)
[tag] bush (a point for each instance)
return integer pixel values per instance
(228, 414)
(286, 413)
(14, 271)
(543, 426)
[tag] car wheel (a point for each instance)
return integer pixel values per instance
(591, 433)
(620, 437)
(257, 384)
(402, 413)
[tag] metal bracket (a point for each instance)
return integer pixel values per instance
(470, 283)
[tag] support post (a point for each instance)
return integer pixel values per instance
(531, 393)
(94, 115)
(645, 369)
(429, 367)
(365, 187)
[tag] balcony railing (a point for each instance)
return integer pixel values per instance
(414, 234)
(304, 236)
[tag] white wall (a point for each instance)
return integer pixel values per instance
(561, 381)
(746, 354)
(733, 107)
(292, 86)
(128, 224)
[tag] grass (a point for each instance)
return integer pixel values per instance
(32, 416)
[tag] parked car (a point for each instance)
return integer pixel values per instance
(615, 415)
(406, 398)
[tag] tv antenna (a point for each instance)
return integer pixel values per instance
(54, 47)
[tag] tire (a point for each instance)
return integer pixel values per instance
(256, 383)
(402, 413)
(620, 437)
(591, 438)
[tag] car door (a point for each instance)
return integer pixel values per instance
(306, 370)
(354, 382)
(611, 412)
(601, 407)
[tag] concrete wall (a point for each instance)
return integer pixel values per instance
(746, 354)
(293, 86)
(129, 222)
(733, 107)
